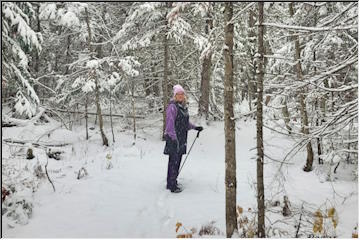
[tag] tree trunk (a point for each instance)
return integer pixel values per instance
(251, 68)
(101, 123)
(230, 158)
(349, 144)
(99, 49)
(324, 99)
(318, 119)
(93, 73)
(206, 73)
(86, 117)
(133, 108)
(37, 58)
(69, 119)
(286, 114)
(156, 84)
(318, 111)
(318, 140)
(147, 84)
(68, 43)
(259, 127)
(165, 79)
(111, 119)
(304, 117)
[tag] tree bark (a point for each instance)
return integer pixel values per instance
(251, 68)
(133, 109)
(37, 57)
(86, 117)
(324, 99)
(303, 111)
(100, 52)
(259, 127)
(230, 158)
(36, 52)
(68, 43)
(111, 119)
(101, 123)
(156, 84)
(147, 84)
(206, 72)
(93, 73)
(318, 111)
(165, 79)
(286, 114)
(318, 121)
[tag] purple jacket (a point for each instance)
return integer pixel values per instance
(171, 112)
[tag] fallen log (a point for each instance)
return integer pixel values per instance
(8, 124)
(108, 115)
(8, 140)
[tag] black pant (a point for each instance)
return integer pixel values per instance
(173, 170)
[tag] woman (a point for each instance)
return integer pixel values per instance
(177, 126)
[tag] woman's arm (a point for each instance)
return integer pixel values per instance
(171, 112)
(191, 126)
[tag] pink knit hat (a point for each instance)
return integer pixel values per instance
(178, 89)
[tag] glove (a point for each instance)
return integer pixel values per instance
(199, 128)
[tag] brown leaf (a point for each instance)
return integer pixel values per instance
(239, 210)
(184, 235)
(331, 212)
(178, 225)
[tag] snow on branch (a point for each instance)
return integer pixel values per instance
(202, 8)
(309, 29)
(174, 12)
(128, 64)
(25, 83)
(239, 13)
(333, 70)
(21, 122)
(178, 29)
(144, 14)
(338, 15)
(17, 18)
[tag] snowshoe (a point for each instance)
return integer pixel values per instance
(176, 190)
(179, 185)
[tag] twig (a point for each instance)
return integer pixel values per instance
(298, 227)
(48, 174)
(336, 167)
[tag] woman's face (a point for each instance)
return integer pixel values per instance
(179, 97)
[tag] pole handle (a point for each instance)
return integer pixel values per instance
(198, 134)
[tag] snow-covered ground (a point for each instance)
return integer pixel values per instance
(130, 199)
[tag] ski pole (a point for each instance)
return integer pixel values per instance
(197, 136)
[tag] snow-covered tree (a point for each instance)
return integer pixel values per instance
(18, 40)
